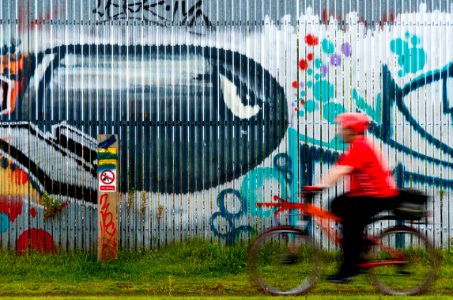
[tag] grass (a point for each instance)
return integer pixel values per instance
(306, 297)
(191, 269)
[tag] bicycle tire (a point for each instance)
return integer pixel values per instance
(268, 261)
(419, 267)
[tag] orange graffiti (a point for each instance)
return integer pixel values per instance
(12, 67)
(12, 63)
(14, 181)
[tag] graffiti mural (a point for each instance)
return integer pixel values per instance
(167, 113)
(218, 107)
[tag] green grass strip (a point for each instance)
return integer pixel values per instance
(191, 269)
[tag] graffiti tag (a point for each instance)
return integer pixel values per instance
(107, 230)
(156, 12)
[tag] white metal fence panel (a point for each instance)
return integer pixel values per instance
(219, 105)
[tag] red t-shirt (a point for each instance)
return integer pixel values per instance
(369, 177)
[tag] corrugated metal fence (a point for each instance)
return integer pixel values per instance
(218, 105)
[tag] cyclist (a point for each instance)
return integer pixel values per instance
(371, 190)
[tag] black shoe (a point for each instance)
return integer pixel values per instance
(367, 244)
(360, 269)
(402, 271)
(288, 259)
(340, 278)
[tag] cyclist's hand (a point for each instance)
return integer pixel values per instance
(313, 188)
(310, 190)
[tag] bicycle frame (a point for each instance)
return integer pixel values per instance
(319, 215)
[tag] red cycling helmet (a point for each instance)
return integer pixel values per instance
(358, 122)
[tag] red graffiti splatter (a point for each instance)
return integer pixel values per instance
(11, 206)
(363, 21)
(64, 204)
(33, 212)
(281, 205)
(19, 177)
(107, 230)
(35, 240)
(325, 16)
(310, 56)
(392, 17)
(303, 65)
(40, 21)
(311, 40)
(387, 18)
(295, 84)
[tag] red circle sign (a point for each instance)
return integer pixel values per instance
(107, 177)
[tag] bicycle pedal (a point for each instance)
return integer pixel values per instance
(288, 259)
(402, 272)
(337, 278)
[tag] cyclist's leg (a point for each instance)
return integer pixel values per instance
(339, 205)
(348, 208)
(352, 245)
(356, 213)
(373, 207)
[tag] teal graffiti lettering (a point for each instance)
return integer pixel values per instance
(323, 90)
(327, 46)
(336, 143)
(4, 222)
(311, 106)
(332, 110)
(361, 103)
(411, 58)
(253, 189)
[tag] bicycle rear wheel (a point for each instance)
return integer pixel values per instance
(284, 261)
(407, 262)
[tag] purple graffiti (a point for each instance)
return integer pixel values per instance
(346, 49)
(335, 60)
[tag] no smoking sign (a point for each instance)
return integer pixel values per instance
(107, 181)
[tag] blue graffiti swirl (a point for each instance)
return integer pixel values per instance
(283, 163)
(232, 232)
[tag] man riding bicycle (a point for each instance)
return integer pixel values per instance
(371, 190)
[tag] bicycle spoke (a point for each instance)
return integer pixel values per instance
(284, 262)
(408, 245)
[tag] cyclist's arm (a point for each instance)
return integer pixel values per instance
(335, 174)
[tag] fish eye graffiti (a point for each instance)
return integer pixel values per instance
(216, 110)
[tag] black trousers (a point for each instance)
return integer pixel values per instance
(356, 213)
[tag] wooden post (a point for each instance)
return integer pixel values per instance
(107, 197)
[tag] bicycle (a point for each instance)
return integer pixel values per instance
(286, 259)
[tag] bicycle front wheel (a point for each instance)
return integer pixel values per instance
(284, 261)
(405, 262)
